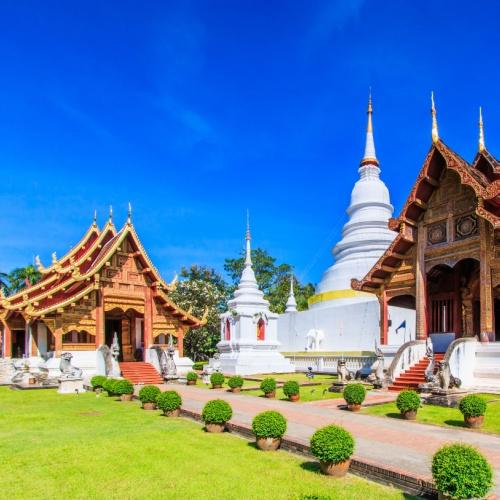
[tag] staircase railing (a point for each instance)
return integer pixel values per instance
(461, 357)
(408, 354)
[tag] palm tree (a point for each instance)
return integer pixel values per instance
(22, 277)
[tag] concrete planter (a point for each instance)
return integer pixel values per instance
(474, 422)
(270, 395)
(191, 382)
(236, 389)
(268, 444)
(409, 415)
(294, 397)
(126, 397)
(149, 406)
(172, 413)
(215, 427)
(353, 407)
(335, 470)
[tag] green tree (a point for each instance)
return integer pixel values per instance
(273, 279)
(4, 283)
(21, 276)
(201, 288)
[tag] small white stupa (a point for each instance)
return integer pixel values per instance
(249, 331)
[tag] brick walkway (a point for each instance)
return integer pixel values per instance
(402, 446)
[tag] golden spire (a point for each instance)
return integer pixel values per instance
(482, 147)
(370, 156)
(435, 133)
(369, 111)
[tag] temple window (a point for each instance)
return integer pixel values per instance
(227, 330)
(77, 337)
(261, 330)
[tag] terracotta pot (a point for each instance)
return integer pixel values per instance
(474, 422)
(409, 415)
(270, 394)
(215, 427)
(353, 407)
(335, 470)
(294, 397)
(32, 380)
(191, 382)
(172, 413)
(236, 389)
(149, 406)
(126, 397)
(268, 444)
(218, 386)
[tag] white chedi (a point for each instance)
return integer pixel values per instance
(249, 335)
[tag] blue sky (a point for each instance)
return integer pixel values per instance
(194, 111)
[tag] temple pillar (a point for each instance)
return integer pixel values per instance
(7, 341)
(384, 317)
(58, 335)
(99, 319)
(485, 288)
(180, 341)
(421, 284)
(148, 319)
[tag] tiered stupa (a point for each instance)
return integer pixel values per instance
(340, 318)
(249, 336)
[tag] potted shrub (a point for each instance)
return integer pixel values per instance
(97, 381)
(235, 383)
(269, 427)
(333, 446)
(291, 390)
(217, 380)
(460, 471)
(191, 378)
(170, 402)
(473, 408)
(216, 414)
(268, 387)
(408, 402)
(354, 395)
(109, 386)
(148, 395)
(125, 389)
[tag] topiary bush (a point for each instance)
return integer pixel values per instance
(460, 471)
(235, 382)
(217, 378)
(408, 401)
(149, 393)
(216, 411)
(472, 406)
(269, 424)
(332, 444)
(291, 388)
(123, 386)
(354, 394)
(109, 386)
(199, 365)
(268, 385)
(192, 377)
(169, 401)
(97, 381)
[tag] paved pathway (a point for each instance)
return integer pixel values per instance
(405, 447)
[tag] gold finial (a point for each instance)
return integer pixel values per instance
(95, 217)
(110, 213)
(39, 264)
(129, 217)
(54, 258)
(369, 111)
(482, 147)
(435, 134)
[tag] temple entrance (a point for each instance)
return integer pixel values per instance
(18, 343)
(453, 299)
(128, 326)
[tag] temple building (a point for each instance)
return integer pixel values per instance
(446, 253)
(105, 285)
(249, 337)
(340, 318)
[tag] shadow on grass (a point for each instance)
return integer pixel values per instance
(311, 467)
(455, 423)
(394, 415)
(252, 444)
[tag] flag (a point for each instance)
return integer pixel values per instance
(402, 325)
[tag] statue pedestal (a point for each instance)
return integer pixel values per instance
(337, 386)
(446, 397)
(70, 385)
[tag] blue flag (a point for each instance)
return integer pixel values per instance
(402, 325)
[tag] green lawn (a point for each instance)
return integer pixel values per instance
(447, 417)
(299, 377)
(307, 393)
(88, 446)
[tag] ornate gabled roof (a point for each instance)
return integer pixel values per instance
(76, 274)
(440, 157)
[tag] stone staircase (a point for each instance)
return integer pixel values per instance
(140, 372)
(7, 371)
(415, 375)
